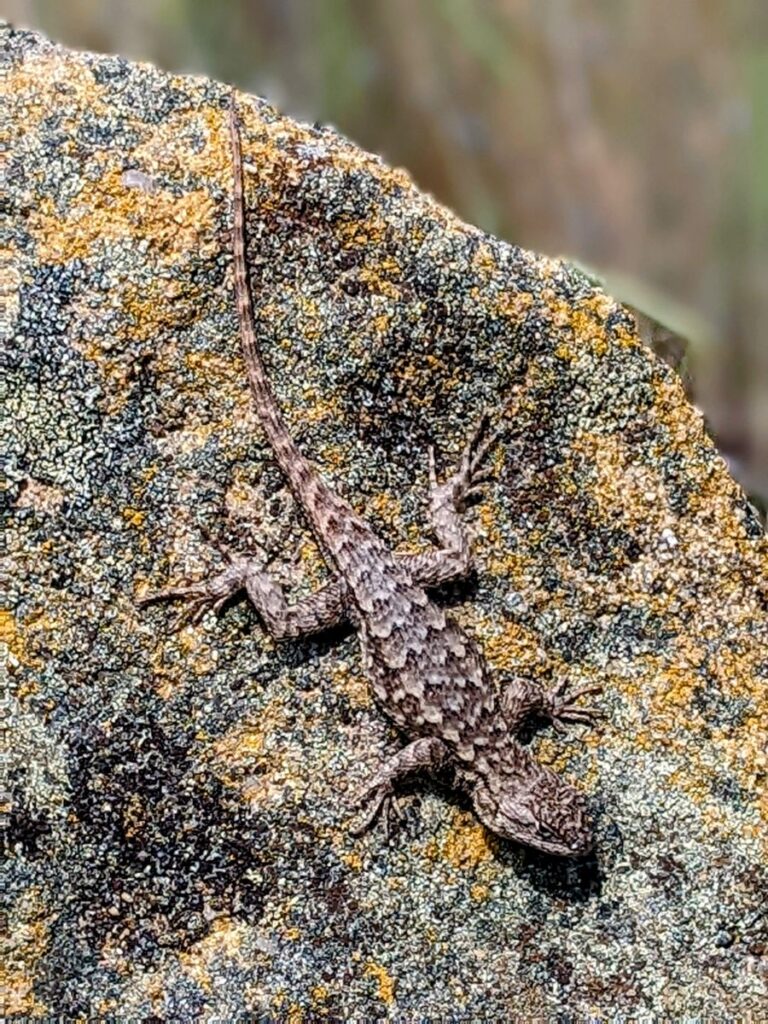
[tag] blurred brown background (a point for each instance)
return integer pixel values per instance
(630, 135)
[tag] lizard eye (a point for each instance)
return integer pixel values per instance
(546, 831)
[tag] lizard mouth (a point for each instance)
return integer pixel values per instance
(546, 838)
(564, 832)
(578, 846)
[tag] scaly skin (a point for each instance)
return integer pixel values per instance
(427, 675)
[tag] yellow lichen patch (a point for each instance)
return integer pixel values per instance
(488, 527)
(510, 647)
(46, 82)
(247, 759)
(322, 408)
(133, 815)
(368, 236)
(669, 692)
(386, 506)
(319, 996)
(154, 308)
(384, 981)
(196, 653)
(484, 260)
(552, 752)
(313, 564)
(352, 860)
(241, 747)
(107, 210)
(467, 843)
(381, 322)
(672, 693)
(379, 283)
(685, 426)
(22, 947)
(38, 628)
(273, 147)
(511, 305)
(621, 482)
(243, 500)
(479, 893)
(214, 370)
(587, 322)
(510, 565)
(10, 635)
(334, 457)
(134, 517)
(352, 684)
(222, 943)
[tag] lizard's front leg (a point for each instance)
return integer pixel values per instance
(322, 610)
(447, 501)
(522, 699)
(428, 754)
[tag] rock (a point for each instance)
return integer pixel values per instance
(178, 817)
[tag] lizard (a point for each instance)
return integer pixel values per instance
(426, 673)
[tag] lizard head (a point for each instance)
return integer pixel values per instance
(540, 810)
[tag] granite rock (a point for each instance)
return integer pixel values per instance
(177, 801)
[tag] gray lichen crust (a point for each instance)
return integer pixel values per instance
(177, 814)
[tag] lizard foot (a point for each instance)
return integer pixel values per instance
(471, 476)
(199, 597)
(427, 754)
(382, 801)
(561, 708)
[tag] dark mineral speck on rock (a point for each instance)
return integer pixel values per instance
(178, 802)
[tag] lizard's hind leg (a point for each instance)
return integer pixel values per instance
(322, 610)
(447, 501)
(427, 754)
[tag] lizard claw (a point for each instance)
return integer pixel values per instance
(200, 597)
(561, 707)
(382, 802)
(470, 477)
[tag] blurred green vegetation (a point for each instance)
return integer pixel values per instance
(628, 134)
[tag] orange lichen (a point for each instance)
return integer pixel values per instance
(585, 325)
(352, 860)
(213, 368)
(171, 225)
(319, 995)
(467, 843)
(134, 517)
(353, 684)
(386, 507)
(223, 943)
(384, 981)
(511, 305)
(484, 260)
(25, 943)
(510, 647)
(133, 815)
(252, 760)
(10, 634)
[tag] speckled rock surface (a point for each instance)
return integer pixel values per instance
(177, 810)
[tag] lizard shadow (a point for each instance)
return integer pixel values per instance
(574, 879)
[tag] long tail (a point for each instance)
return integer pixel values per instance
(310, 490)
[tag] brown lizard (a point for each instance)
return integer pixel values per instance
(427, 674)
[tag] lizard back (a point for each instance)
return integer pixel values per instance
(411, 649)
